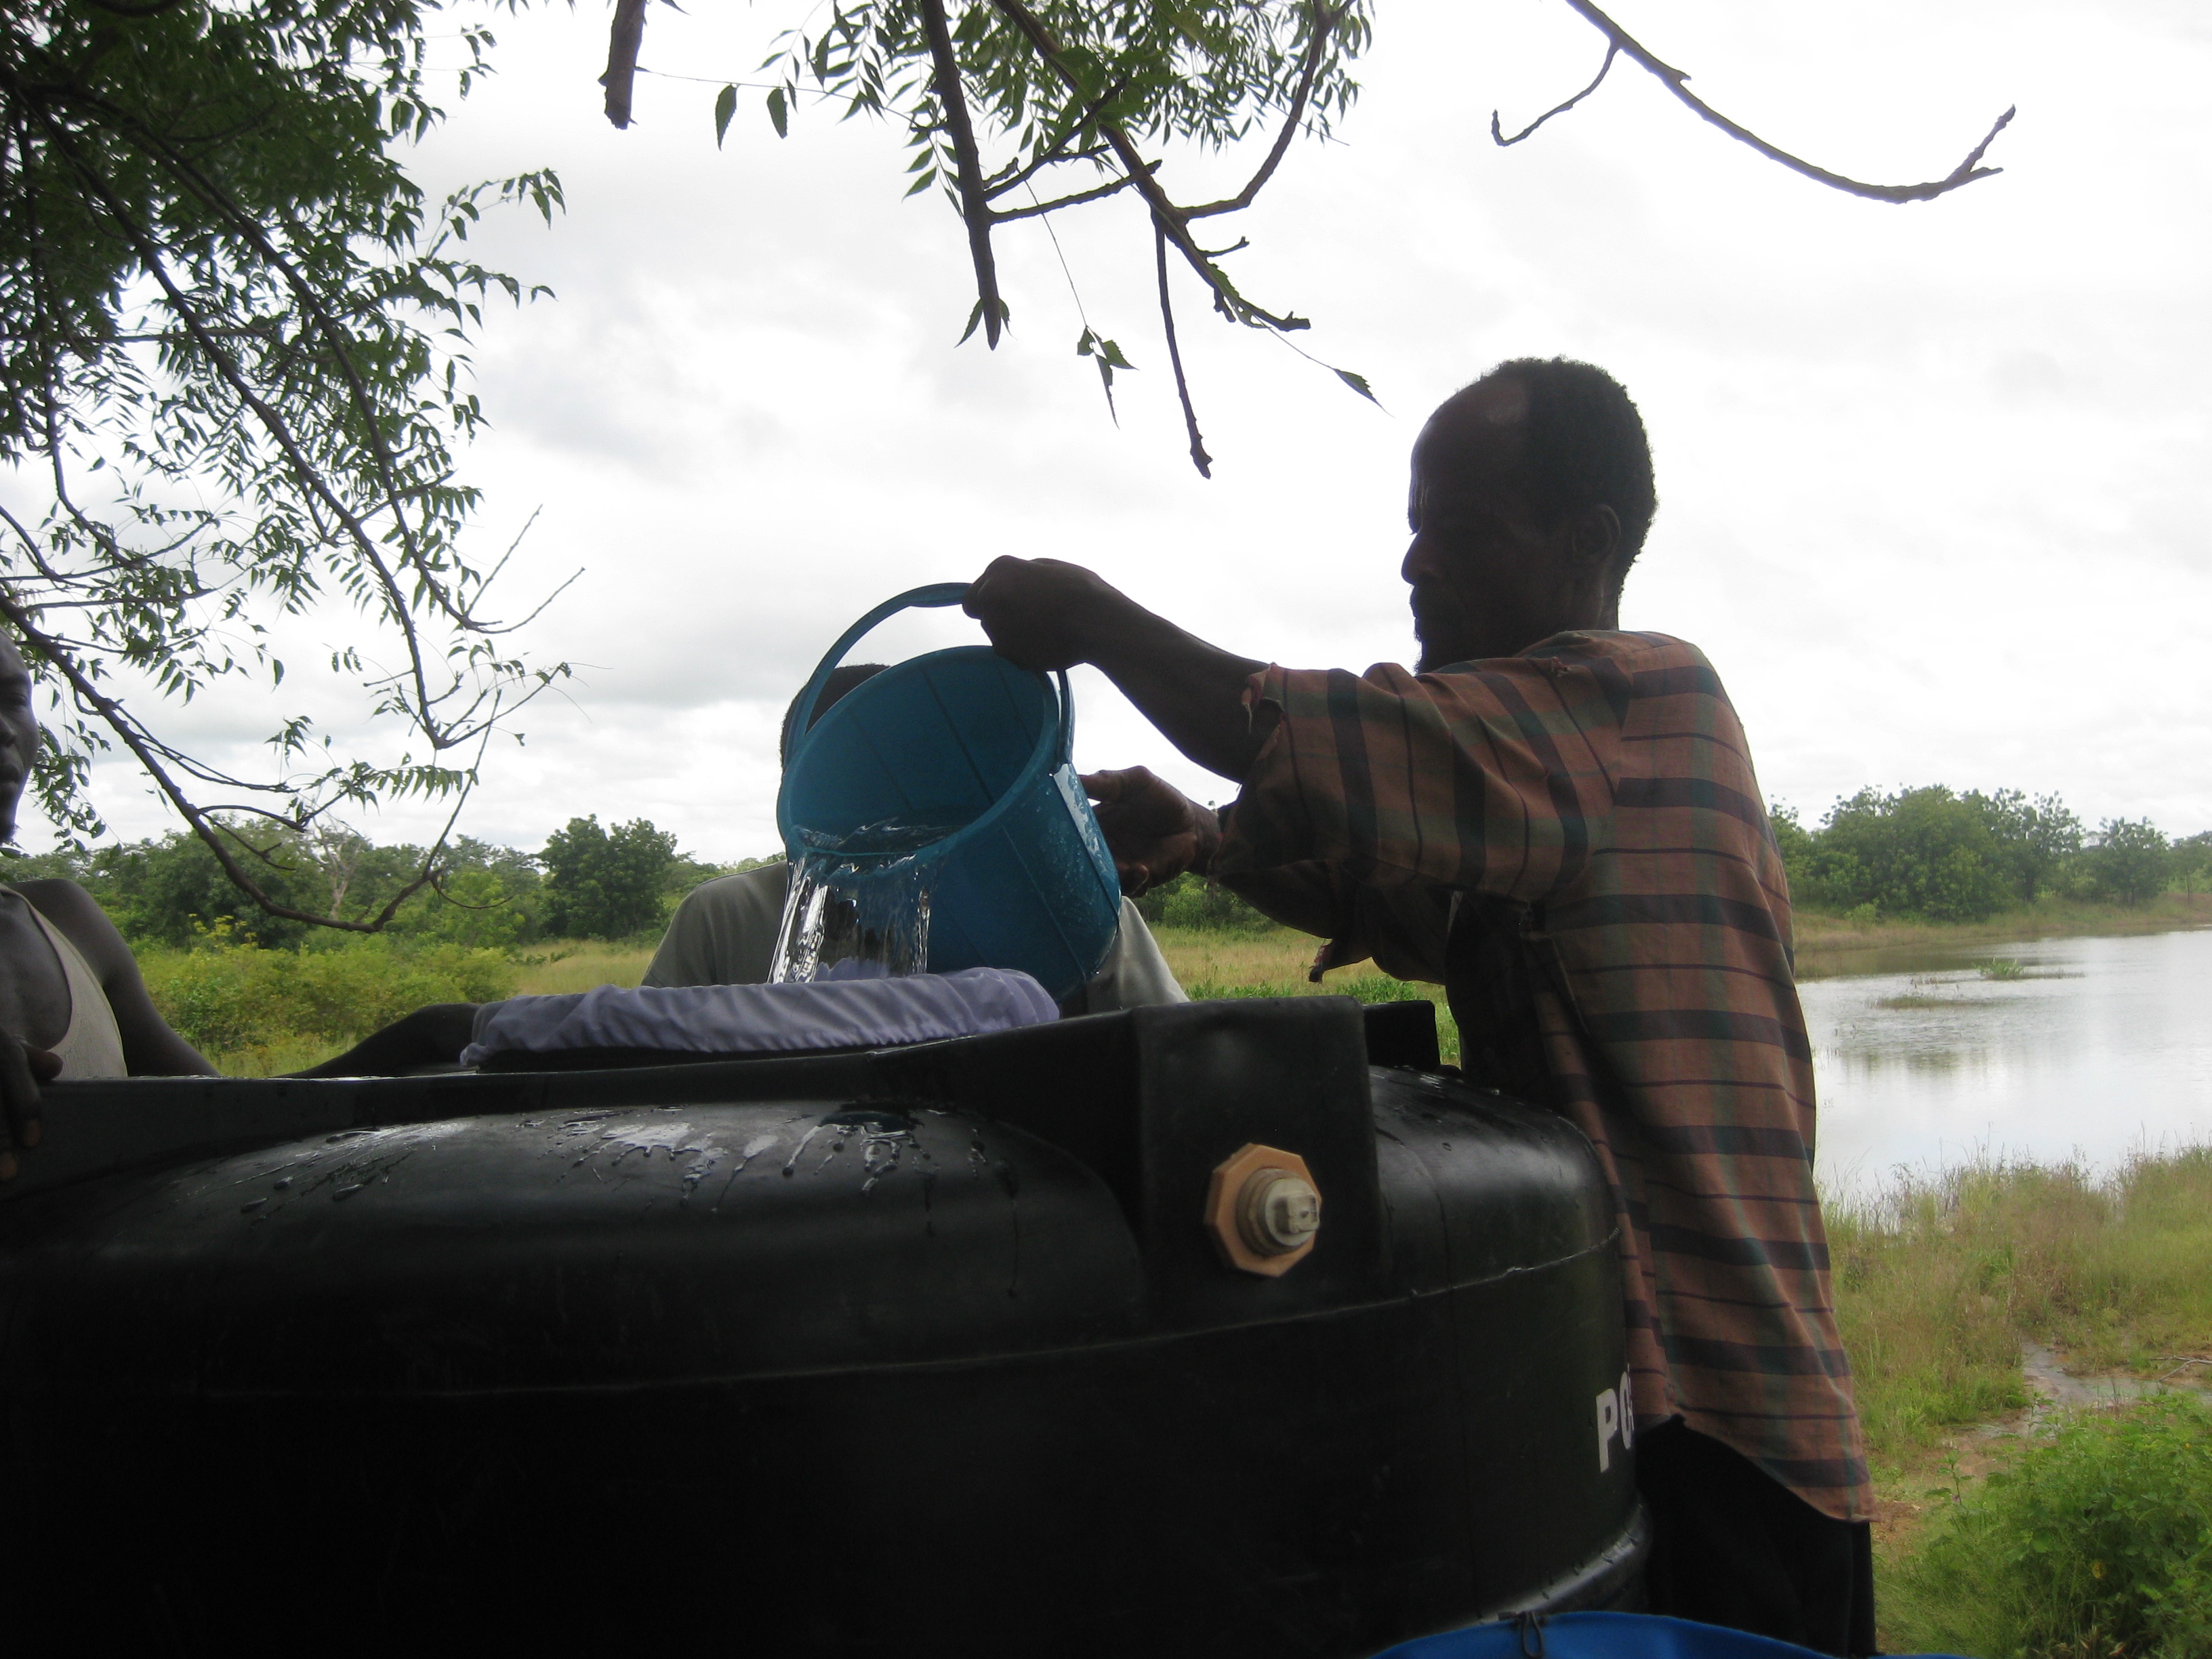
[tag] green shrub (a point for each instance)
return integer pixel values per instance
(2097, 1545)
(1191, 901)
(2129, 863)
(225, 996)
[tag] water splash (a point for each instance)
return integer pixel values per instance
(858, 904)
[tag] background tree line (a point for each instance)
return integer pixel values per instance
(1936, 855)
(1928, 854)
(1931, 854)
(589, 881)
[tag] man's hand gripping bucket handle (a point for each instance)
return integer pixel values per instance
(935, 596)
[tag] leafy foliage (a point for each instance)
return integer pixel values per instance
(2127, 863)
(233, 382)
(607, 884)
(1043, 84)
(1191, 901)
(170, 892)
(1937, 854)
(2097, 1544)
(1086, 84)
(228, 996)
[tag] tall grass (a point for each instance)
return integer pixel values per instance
(254, 1012)
(1211, 963)
(567, 965)
(1941, 1278)
(1831, 943)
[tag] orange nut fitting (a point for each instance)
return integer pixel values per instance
(1263, 1210)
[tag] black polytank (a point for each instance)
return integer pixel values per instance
(934, 1349)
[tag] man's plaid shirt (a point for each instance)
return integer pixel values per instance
(1597, 792)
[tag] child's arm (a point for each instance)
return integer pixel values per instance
(430, 1037)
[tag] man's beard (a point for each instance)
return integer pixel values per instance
(1433, 615)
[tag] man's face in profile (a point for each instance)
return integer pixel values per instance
(1487, 577)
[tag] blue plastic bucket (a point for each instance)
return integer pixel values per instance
(1603, 1636)
(963, 738)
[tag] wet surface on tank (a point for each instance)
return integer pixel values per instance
(586, 1249)
(929, 1340)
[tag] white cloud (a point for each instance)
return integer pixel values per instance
(1933, 480)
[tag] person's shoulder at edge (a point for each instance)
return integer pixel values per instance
(1637, 649)
(1620, 650)
(150, 1046)
(78, 914)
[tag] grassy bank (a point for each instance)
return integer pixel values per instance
(1939, 1279)
(1828, 944)
(1274, 963)
(255, 1013)
(2006, 1536)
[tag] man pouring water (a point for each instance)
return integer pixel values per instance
(1559, 821)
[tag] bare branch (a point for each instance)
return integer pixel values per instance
(624, 37)
(1014, 176)
(1166, 216)
(136, 741)
(1323, 21)
(1611, 51)
(1675, 82)
(1199, 457)
(975, 205)
(1098, 194)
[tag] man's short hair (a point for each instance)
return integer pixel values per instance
(1584, 446)
(842, 678)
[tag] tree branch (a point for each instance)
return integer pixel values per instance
(1611, 51)
(274, 423)
(1100, 193)
(1015, 176)
(1166, 216)
(251, 230)
(143, 750)
(1323, 21)
(1675, 81)
(1199, 457)
(624, 37)
(975, 205)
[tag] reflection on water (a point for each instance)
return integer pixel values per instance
(2098, 1047)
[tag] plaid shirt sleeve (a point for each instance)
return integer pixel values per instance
(1601, 781)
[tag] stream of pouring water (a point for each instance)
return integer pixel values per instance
(858, 904)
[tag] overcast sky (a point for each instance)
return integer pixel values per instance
(1932, 482)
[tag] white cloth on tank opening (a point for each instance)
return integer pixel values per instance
(763, 1019)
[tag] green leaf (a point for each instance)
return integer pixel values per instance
(1112, 354)
(778, 116)
(726, 106)
(975, 317)
(922, 183)
(1357, 383)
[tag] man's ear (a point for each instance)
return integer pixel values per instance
(1596, 537)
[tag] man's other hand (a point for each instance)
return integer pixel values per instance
(22, 1069)
(1042, 613)
(1154, 831)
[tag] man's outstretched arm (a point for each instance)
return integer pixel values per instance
(1046, 614)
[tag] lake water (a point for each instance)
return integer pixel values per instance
(2100, 1047)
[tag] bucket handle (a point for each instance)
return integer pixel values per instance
(935, 595)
